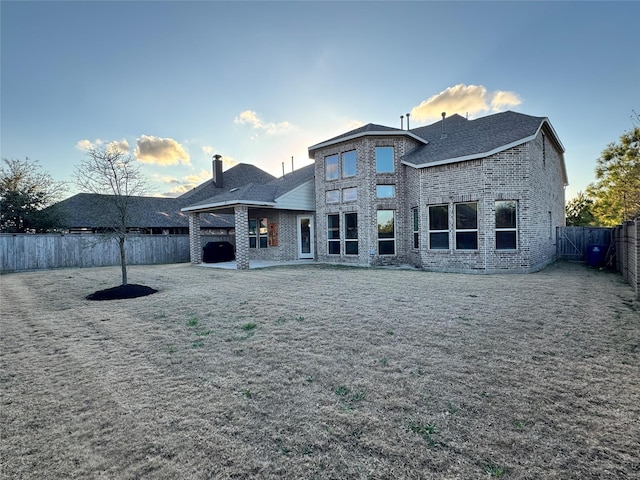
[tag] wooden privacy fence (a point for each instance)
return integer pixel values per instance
(19, 252)
(627, 240)
(573, 241)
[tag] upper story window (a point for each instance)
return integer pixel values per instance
(506, 225)
(333, 196)
(384, 160)
(349, 164)
(332, 169)
(350, 194)
(467, 226)
(439, 227)
(385, 191)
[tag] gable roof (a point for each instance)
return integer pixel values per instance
(266, 194)
(459, 139)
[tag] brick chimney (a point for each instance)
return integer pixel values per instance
(217, 171)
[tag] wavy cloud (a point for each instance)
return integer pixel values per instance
(463, 99)
(249, 117)
(160, 151)
(118, 145)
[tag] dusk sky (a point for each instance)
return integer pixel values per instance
(259, 82)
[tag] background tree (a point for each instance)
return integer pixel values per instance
(616, 192)
(579, 211)
(116, 176)
(25, 191)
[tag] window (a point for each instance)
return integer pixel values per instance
(439, 227)
(386, 232)
(351, 233)
(331, 167)
(258, 233)
(349, 163)
(350, 194)
(385, 191)
(416, 227)
(506, 225)
(333, 234)
(467, 226)
(384, 160)
(333, 196)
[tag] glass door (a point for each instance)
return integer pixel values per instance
(305, 236)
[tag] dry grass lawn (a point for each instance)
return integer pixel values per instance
(320, 372)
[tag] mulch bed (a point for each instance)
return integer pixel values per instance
(121, 292)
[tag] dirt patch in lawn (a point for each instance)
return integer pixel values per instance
(319, 372)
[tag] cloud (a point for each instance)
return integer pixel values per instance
(464, 99)
(118, 145)
(160, 151)
(186, 183)
(249, 117)
(227, 162)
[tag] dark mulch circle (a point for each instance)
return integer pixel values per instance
(122, 292)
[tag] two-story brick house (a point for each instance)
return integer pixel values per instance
(459, 195)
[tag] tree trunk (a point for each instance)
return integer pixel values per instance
(123, 260)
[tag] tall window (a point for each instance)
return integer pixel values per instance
(253, 233)
(439, 227)
(385, 191)
(351, 233)
(384, 160)
(506, 225)
(416, 227)
(333, 234)
(258, 233)
(386, 232)
(263, 233)
(467, 226)
(349, 163)
(331, 167)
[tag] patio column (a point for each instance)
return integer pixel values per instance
(242, 236)
(195, 247)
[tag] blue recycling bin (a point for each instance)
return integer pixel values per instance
(596, 255)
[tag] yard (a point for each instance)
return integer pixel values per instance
(320, 372)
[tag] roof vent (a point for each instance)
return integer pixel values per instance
(408, 121)
(401, 122)
(443, 134)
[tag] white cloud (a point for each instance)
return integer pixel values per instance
(186, 183)
(249, 117)
(160, 151)
(118, 145)
(464, 99)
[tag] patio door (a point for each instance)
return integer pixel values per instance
(305, 236)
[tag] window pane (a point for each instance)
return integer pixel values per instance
(416, 240)
(349, 163)
(386, 247)
(385, 191)
(415, 220)
(334, 248)
(466, 240)
(333, 196)
(384, 159)
(506, 240)
(263, 226)
(351, 247)
(439, 241)
(506, 214)
(252, 226)
(350, 225)
(350, 194)
(439, 217)
(385, 224)
(263, 242)
(466, 216)
(333, 227)
(252, 242)
(331, 166)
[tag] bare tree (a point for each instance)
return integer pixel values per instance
(115, 175)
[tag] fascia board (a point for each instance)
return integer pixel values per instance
(228, 203)
(367, 134)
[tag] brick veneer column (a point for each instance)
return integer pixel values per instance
(242, 237)
(195, 248)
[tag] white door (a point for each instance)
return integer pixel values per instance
(305, 236)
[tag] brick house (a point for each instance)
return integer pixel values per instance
(459, 195)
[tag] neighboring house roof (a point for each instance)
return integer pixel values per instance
(89, 210)
(271, 194)
(457, 139)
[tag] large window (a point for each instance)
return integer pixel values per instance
(506, 225)
(351, 233)
(349, 164)
(384, 160)
(385, 191)
(331, 167)
(416, 227)
(350, 194)
(467, 226)
(439, 227)
(258, 233)
(386, 232)
(333, 234)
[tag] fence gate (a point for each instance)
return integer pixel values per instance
(572, 241)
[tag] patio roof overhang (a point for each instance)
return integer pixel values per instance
(226, 206)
